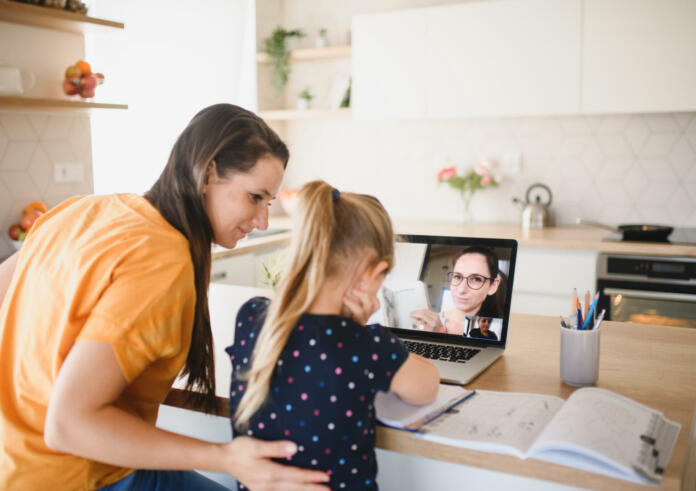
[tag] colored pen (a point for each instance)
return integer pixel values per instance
(599, 319)
(591, 312)
(563, 322)
(579, 307)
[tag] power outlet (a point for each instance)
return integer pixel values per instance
(68, 172)
(512, 163)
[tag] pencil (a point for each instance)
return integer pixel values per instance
(587, 304)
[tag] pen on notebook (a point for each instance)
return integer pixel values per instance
(589, 314)
(599, 319)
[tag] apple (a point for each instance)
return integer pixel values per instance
(14, 231)
(86, 93)
(88, 83)
(29, 218)
(73, 71)
(100, 78)
(70, 87)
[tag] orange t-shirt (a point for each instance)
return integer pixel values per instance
(98, 268)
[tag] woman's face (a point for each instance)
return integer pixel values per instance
(468, 299)
(238, 203)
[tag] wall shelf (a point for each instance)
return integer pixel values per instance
(294, 114)
(311, 54)
(51, 18)
(17, 102)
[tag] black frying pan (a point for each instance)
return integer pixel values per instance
(644, 233)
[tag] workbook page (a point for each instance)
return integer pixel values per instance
(600, 424)
(505, 422)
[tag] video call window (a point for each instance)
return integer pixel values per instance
(460, 290)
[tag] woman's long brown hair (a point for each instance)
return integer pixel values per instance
(235, 139)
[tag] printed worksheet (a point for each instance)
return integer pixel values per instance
(506, 422)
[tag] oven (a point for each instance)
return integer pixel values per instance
(648, 289)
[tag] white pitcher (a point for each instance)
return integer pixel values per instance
(14, 81)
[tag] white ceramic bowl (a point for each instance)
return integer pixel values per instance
(17, 244)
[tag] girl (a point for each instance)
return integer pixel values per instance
(106, 303)
(306, 366)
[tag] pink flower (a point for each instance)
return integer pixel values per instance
(485, 180)
(481, 170)
(446, 174)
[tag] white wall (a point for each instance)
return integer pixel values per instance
(174, 58)
(615, 168)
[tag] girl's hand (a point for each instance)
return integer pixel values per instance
(361, 302)
(250, 462)
(428, 319)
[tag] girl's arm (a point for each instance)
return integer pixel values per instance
(6, 271)
(417, 381)
(83, 420)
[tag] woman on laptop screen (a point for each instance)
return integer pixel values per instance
(473, 286)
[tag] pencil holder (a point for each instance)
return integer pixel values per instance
(579, 356)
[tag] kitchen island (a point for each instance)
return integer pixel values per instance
(567, 237)
(653, 365)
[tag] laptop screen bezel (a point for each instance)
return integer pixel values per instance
(430, 240)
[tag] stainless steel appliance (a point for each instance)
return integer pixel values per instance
(648, 289)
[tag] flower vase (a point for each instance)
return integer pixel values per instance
(466, 218)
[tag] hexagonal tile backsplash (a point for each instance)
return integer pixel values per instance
(30, 144)
(613, 168)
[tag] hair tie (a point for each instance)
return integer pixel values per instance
(335, 194)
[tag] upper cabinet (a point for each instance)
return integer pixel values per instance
(525, 58)
(389, 76)
(639, 56)
(503, 58)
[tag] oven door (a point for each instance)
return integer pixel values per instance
(648, 303)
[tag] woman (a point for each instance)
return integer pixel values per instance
(107, 302)
(473, 282)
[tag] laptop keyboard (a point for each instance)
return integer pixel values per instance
(441, 352)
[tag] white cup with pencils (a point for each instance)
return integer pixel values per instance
(580, 342)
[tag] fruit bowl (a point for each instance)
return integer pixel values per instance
(17, 244)
(288, 200)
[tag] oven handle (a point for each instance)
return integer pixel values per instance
(651, 295)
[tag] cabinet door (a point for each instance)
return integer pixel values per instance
(503, 58)
(234, 270)
(639, 56)
(388, 58)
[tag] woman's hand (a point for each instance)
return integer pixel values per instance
(428, 319)
(250, 463)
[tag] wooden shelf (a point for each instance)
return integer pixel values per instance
(311, 54)
(12, 102)
(50, 18)
(295, 114)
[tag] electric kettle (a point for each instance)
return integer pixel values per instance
(535, 212)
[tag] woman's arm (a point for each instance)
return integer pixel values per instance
(417, 381)
(82, 420)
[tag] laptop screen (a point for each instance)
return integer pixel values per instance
(453, 289)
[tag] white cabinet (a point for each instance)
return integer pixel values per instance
(388, 65)
(545, 278)
(639, 56)
(246, 269)
(503, 58)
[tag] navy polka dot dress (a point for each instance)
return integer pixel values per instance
(322, 391)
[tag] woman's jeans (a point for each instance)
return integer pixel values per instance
(164, 480)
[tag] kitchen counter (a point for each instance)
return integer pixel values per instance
(653, 365)
(565, 237)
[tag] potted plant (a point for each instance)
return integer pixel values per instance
(275, 46)
(303, 99)
(322, 41)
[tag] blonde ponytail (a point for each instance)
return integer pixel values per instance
(328, 226)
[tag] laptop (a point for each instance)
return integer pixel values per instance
(444, 305)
